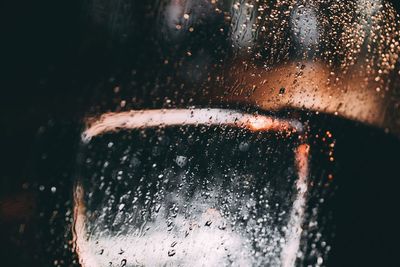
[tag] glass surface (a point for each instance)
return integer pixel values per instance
(187, 196)
(200, 132)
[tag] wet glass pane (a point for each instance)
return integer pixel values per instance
(187, 196)
(200, 133)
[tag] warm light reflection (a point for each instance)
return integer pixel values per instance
(111, 122)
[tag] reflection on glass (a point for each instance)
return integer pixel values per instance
(191, 187)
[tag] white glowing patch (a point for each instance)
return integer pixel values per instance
(243, 19)
(110, 122)
(305, 26)
(199, 242)
(293, 235)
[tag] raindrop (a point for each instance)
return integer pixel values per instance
(171, 252)
(181, 161)
(244, 146)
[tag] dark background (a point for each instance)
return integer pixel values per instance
(40, 51)
(52, 62)
(46, 69)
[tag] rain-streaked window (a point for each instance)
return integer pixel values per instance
(201, 133)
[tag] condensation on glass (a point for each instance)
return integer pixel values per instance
(191, 187)
(222, 187)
